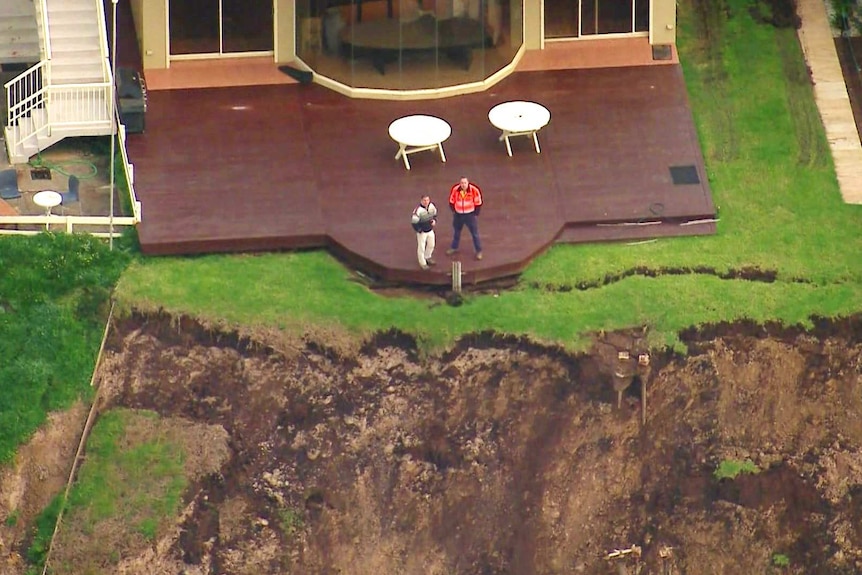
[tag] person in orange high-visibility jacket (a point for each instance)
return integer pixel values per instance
(465, 201)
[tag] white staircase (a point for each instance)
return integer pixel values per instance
(19, 33)
(69, 92)
(76, 34)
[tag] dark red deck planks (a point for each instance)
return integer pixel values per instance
(281, 167)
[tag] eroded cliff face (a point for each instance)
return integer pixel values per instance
(501, 456)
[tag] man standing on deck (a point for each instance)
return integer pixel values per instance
(423, 220)
(465, 201)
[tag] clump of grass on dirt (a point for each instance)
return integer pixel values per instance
(290, 520)
(128, 489)
(780, 560)
(43, 530)
(733, 468)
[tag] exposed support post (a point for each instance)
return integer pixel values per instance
(645, 372)
(456, 276)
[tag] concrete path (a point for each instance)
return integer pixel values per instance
(831, 96)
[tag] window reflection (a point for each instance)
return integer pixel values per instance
(220, 26)
(577, 18)
(408, 44)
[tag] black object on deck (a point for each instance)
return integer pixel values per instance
(131, 99)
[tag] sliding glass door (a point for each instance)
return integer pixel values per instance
(578, 18)
(217, 27)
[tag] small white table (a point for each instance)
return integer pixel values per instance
(47, 200)
(418, 134)
(519, 118)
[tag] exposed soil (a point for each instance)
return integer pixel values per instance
(499, 457)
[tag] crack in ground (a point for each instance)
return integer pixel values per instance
(753, 274)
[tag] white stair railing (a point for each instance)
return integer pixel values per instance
(26, 96)
(41, 7)
(35, 106)
(71, 105)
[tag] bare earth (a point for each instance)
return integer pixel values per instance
(499, 457)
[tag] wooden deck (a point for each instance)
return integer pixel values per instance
(297, 166)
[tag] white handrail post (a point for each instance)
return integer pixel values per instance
(113, 99)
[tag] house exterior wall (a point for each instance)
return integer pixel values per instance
(285, 33)
(532, 24)
(663, 22)
(151, 18)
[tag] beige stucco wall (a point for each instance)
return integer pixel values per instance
(663, 22)
(137, 6)
(285, 42)
(532, 24)
(151, 18)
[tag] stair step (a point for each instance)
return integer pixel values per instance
(83, 17)
(73, 31)
(76, 73)
(71, 4)
(19, 32)
(28, 46)
(76, 44)
(77, 79)
(75, 58)
(10, 8)
(24, 22)
(8, 42)
(25, 53)
(87, 67)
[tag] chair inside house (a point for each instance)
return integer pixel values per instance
(9, 184)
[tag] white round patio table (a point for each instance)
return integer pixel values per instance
(47, 199)
(419, 133)
(519, 118)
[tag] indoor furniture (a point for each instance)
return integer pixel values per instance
(388, 40)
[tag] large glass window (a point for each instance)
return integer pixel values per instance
(220, 26)
(408, 44)
(574, 18)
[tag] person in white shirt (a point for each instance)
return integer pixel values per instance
(424, 220)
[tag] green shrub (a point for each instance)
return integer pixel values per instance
(290, 520)
(731, 468)
(780, 560)
(43, 531)
(12, 519)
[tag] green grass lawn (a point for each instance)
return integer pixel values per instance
(772, 179)
(54, 291)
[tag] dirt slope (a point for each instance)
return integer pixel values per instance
(504, 457)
